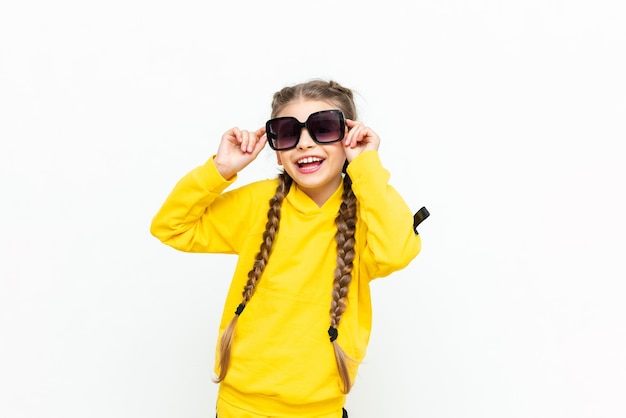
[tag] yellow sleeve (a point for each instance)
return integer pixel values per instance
(391, 242)
(198, 217)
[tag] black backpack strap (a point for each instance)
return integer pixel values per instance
(419, 216)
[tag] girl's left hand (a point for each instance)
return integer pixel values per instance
(359, 138)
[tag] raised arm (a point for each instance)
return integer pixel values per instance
(197, 216)
(391, 242)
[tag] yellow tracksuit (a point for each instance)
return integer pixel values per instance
(282, 363)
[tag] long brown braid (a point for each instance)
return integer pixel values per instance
(346, 227)
(345, 221)
(271, 228)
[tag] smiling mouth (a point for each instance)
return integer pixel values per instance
(309, 162)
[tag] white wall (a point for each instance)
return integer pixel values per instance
(504, 118)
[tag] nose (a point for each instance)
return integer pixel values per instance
(305, 140)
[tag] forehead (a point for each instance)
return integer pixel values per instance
(301, 109)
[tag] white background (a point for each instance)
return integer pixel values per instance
(504, 118)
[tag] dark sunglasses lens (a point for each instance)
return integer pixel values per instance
(326, 127)
(283, 133)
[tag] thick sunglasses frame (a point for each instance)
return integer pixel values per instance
(272, 137)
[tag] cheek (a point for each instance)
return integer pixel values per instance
(339, 150)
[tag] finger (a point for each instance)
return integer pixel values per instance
(243, 144)
(260, 143)
(254, 139)
(350, 123)
(350, 126)
(348, 139)
(234, 136)
(355, 136)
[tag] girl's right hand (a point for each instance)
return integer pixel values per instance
(237, 149)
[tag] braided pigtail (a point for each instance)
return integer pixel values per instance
(271, 228)
(345, 221)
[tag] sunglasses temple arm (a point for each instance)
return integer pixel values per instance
(419, 216)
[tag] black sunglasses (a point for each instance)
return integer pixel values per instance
(325, 127)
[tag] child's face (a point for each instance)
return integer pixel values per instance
(314, 167)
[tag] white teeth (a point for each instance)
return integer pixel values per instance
(308, 160)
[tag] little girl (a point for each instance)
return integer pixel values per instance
(297, 318)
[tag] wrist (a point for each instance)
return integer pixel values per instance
(225, 170)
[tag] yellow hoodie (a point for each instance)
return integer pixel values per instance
(282, 362)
